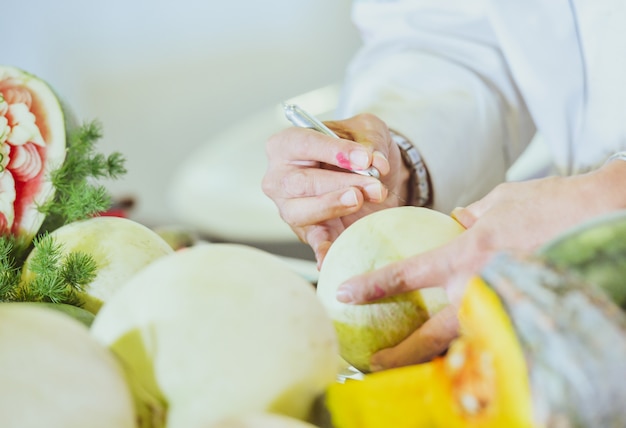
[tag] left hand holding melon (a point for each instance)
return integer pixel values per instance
(372, 246)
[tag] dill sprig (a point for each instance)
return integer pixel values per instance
(78, 196)
(9, 271)
(54, 276)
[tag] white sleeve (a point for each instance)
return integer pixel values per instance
(433, 72)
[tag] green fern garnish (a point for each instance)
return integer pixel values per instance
(9, 271)
(77, 196)
(58, 277)
(78, 269)
(54, 277)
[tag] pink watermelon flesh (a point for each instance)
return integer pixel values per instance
(32, 144)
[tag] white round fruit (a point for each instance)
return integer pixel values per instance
(120, 247)
(260, 420)
(368, 244)
(219, 330)
(53, 374)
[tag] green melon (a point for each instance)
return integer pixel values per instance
(53, 374)
(370, 243)
(119, 246)
(79, 314)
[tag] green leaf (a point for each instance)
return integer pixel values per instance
(78, 270)
(78, 195)
(9, 271)
(57, 277)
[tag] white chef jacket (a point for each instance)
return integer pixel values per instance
(471, 81)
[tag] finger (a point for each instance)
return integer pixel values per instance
(430, 269)
(424, 344)
(318, 238)
(309, 211)
(464, 216)
(381, 162)
(477, 209)
(455, 287)
(370, 131)
(320, 252)
(295, 145)
(305, 182)
(321, 236)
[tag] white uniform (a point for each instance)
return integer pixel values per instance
(470, 81)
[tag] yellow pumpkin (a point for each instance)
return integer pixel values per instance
(537, 348)
(460, 389)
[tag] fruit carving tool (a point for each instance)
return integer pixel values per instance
(302, 119)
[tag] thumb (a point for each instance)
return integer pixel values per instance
(464, 216)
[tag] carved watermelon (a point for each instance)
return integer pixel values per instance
(32, 145)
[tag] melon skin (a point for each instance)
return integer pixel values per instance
(261, 420)
(216, 331)
(53, 374)
(370, 243)
(74, 312)
(25, 94)
(120, 247)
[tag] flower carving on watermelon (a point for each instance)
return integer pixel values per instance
(32, 144)
(50, 173)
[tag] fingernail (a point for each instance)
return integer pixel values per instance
(349, 198)
(359, 159)
(344, 295)
(374, 191)
(385, 169)
(455, 211)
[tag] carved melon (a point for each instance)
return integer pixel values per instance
(50, 175)
(32, 145)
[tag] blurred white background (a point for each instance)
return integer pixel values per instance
(165, 77)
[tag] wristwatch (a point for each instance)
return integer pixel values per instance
(419, 188)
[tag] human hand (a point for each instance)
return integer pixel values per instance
(518, 216)
(315, 195)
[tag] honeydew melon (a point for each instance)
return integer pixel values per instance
(53, 374)
(119, 246)
(368, 244)
(216, 331)
(79, 314)
(261, 420)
